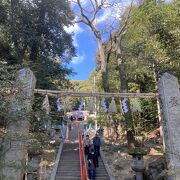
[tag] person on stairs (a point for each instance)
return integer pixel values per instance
(97, 144)
(87, 144)
(91, 160)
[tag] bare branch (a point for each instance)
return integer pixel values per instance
(94, 8)
(98, 7)
(126, 21)
(88, 16)
(84, 18)
(87, 21)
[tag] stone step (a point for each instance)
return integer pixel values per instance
(69, 162)
(69, 173)
(67, 169)
(101, 173)
(69, 165)
(67, 177)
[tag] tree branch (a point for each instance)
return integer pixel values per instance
(126, 21)
(93, 5)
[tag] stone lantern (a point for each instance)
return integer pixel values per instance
(138, 163)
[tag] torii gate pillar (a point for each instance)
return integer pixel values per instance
(15, 149)
(170, 103)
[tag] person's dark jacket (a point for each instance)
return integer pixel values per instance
(96, 141)
(93, 158)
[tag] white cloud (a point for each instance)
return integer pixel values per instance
(112, 12)
(74, 30)
(79, 59)
(106, 14)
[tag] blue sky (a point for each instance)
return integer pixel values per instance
(86, 47)
(84, 39)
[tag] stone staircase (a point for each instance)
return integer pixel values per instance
(101, 173)
(69, 165)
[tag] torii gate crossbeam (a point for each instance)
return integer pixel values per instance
(57, 93)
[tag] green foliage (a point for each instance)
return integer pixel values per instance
(91, 120)
(82, 86)
(92, 84)
(150, 48)
(34, 147)
(8, 74)
(32, 34)
(147, 119)
(152, 38)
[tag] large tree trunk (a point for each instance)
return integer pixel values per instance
(101, 54)
(103, 64)
(15, 148)
(124, 89)
(128, 115)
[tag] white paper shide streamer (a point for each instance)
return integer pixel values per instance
(124, 105)
(45, 105)
(103, 104)
(136, 107)
(82, 104)
(90, 105)
(66, 104)
(112, 106)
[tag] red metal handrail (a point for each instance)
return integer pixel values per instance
(82, 158)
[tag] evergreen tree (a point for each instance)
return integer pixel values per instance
(33, 35)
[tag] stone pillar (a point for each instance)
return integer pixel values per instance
(170, 103)
(20, 106)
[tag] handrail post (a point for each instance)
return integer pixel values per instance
(82, 158)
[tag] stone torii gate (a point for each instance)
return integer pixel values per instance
(168, 88)
(169, 95)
